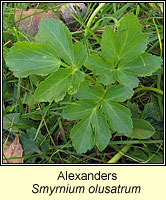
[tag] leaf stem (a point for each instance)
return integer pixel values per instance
(90, 21)
(90, 31)
(149, 89)
(90, 78)
(136, 142)
(65, 65)
(120, 154)
(97, 23)
(158, 34)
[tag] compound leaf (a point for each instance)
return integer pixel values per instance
(128, 43)
(57, 35)
(118, 117)
(27, 58)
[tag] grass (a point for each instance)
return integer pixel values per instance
(33, 119)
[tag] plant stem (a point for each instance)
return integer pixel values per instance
(136, 142)
(91, 32)
(90, 21)
(120, 154)
(90, 78)
(158, 34)
(149, 89)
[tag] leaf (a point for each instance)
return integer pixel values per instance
(29, 99)
(43, 146)
(134, 109)
(106, 79)
(14, 150)
(82, 135)
(152, 110)
(76, 78)
(54, 87)
(80, 54)
(10, 121)
(127, 79)
(27, 58)
(79, 109)
(144, 65)
(103, 68)
(118, 117)
(57, 84)
(31, 146)
(13, 122)
(128, 43)
(124, 56)
(57, 35)
(89, 92)
(156, 159)
(142, 129)
(98, 65)
(118, 93)
(102, 131)
(95, 109)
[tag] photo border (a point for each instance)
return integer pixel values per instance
(107, 164)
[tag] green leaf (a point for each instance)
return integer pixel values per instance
(57, 35)
(152, 110)
(142, 129)
(44, 147)
(102, 68)
(118, 93)
(86, 91)
(134, 109)
(29, 146)
(76, 78)
(102, 132)
(14, 122)
(57, 84)
(10, 121)
(94, 100)
(79, 109)
(98, 65)
(27, 58)
(91, 130)
(80, 54)
(144, 65)
(128, 43)
(127, 79)
(82, 135)
(118, 117)
(106, 79)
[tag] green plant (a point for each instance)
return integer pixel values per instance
(96, 104)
